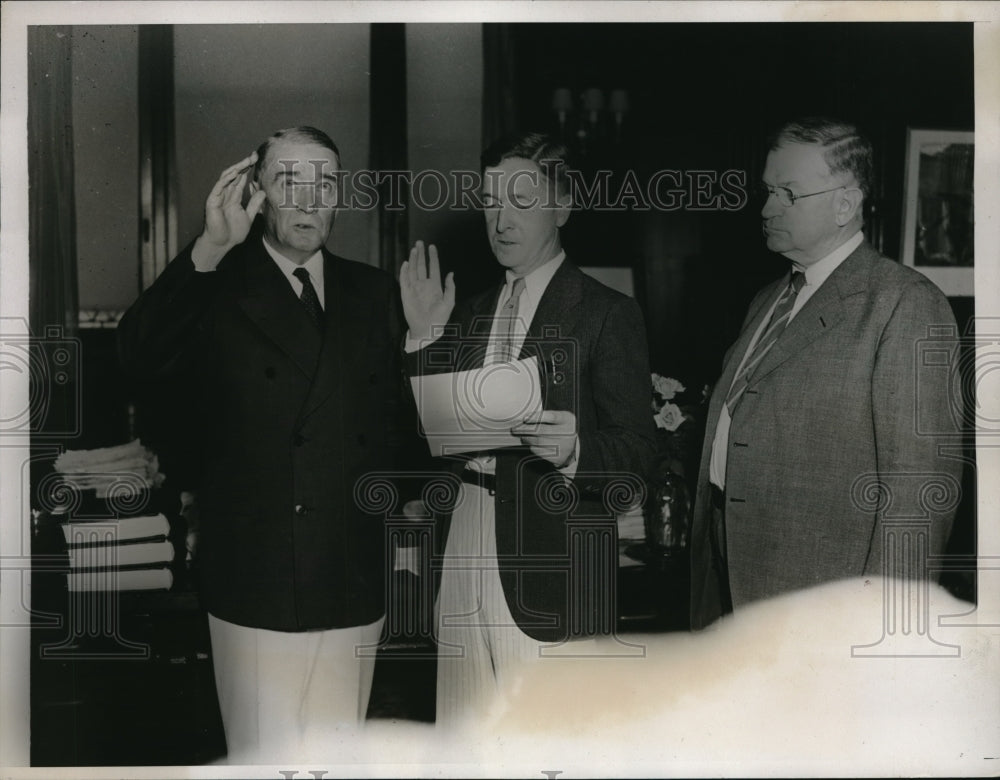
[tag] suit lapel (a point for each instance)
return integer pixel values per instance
(554, 310)
(733, 359)
(555, 314)
(475, 333)
(754, 320)
(483, 307)
(558, 305)
(554, 321)
(270, 302)
(346, 330)
(821, 312)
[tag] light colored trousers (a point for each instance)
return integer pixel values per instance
(480, 648)
(285, 694)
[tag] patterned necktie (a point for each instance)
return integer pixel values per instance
(779, 319)
(504, 350)
(309, 297)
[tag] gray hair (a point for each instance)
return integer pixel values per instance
(844, 147)
(302, 134)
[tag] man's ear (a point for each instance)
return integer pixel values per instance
(849, 205)
(562, 214)
(564, 207)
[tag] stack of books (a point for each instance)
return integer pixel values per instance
(131, 553)
(99, 469)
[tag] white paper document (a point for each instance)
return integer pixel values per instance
(467, 411)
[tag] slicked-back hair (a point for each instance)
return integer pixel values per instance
(845, 149)
(300, 134)
(548, 153)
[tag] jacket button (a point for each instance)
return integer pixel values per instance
(301, 510)
(269, 372)
(361, 439)
(298, 440)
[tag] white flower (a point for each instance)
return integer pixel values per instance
(669, 418)
(666, 386)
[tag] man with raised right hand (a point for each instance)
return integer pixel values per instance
(291, 355)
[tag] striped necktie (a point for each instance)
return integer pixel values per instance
(309, 297)
(779, 319)
(503, 352)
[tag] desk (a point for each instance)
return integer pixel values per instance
(653, 592)
(158, 706)
(137, 689)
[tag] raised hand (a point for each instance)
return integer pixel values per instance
(227, 222)
(426, 304)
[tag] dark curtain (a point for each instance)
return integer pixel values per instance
(157, 181)
(387, 136)
(52, 293)
(499, 105)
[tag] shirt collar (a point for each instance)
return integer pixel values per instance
(314, 265)
(536, 281)
(818, 272)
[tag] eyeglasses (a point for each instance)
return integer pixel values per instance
(787, 198)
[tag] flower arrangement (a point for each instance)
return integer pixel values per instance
(679, 418)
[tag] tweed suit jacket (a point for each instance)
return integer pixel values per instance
(591, 347)
(288, 420)
(841, 403)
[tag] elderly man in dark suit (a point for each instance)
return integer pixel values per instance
(820, 396)
(292, 354)
(514, 583)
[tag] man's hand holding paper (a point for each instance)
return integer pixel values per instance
(475, 410)
(549, 434)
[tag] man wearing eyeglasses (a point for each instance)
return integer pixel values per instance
(818, 403)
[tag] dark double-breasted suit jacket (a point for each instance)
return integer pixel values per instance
(590, 344)
(842, 407)
(287, 420)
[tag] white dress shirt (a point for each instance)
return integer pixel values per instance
(314, 265)
(815, 274)
(535, 285)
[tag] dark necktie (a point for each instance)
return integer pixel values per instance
(779, 319)
(309, 297)
(504, 351)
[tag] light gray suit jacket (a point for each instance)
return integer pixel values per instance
(843, 402)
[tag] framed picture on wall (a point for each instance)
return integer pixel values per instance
(937, 212)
